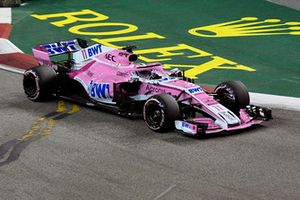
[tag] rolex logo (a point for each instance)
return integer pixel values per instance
(248, 26)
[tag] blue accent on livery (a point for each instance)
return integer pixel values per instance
(94, 50)
(167, 79)
(60, 47)
(185, 124)
(99, 90)
(195, 90)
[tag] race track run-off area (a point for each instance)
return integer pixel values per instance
(61, 150)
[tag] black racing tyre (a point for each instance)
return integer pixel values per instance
(39, 83)
(160, 112)
(233, 95)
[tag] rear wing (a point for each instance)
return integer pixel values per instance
(78, 47)
(43, 52)
(62, 47)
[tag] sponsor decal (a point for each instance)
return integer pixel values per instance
(166, 79)
(122, 73)
(195, 90)
(247, 26)
(155, 89)
(84, 54)
(124, 54)
(110, 57)
(189, 126)
(99, 90)
(60, 47)
(92, 51)
(185, 124)
(89, 73)
(227, 116)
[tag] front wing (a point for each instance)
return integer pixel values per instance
(250, 116)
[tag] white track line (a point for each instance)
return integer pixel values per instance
(275, 101)
(5, 15)
(7, 47)
(164, 192)
(11, 69)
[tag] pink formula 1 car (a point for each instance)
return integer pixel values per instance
(111, 79)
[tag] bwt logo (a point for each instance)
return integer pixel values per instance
(94, 50)
(60, 47)
(99, 90)
(195, 90)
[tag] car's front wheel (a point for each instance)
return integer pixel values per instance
(39, 83)
(160, 112)
(233, 95)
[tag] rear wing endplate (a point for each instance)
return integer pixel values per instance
(62, 47)
(78, 47)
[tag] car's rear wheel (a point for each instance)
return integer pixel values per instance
(160, 112)
(39, 83)
(233, 95)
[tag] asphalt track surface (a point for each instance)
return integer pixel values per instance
(92, 154)
(96, 155)
(295, 4)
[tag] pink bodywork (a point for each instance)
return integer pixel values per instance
(114, 67)
(99, 74)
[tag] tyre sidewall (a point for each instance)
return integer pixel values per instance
(36, 95)
(45, 82)
(156, 101)
(240, 93)
(169, 110)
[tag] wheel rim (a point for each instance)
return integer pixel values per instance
(153, 115)
(30, 86)
(228, 96)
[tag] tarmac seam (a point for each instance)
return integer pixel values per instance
(164, 192)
